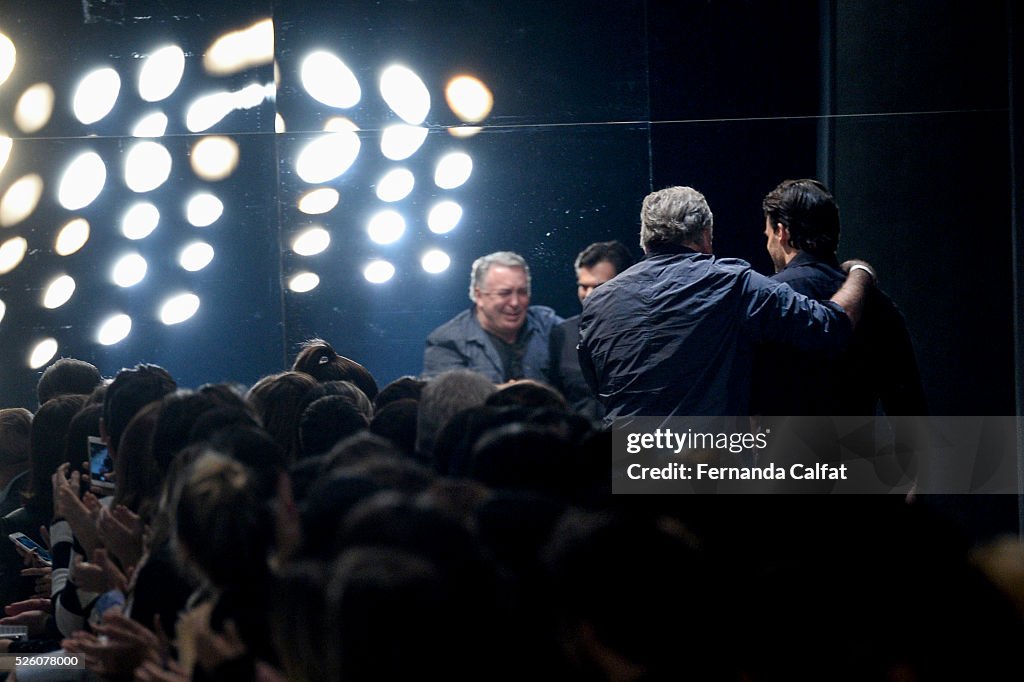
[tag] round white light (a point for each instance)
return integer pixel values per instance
(279, 125)
(311, 242)
(6, 145)
(34, 107)
(386, 227)
(179, 308)
(405, 93)
(72, 237)
(378, 271)
(147, 166)
(20, 199)
(82, 181)
(303, 282)
(140, 220)
(129, 270)
(207, 111)
(328, 80)
(319, 201)
(204, 209)
(195, 256)
(214, 158)
(336, 124)
(237, 51)
(327, 156)
(400, 141)
(444, 216)
(114, 329)
(161, 73)
(11, 253)
(96, 94)
(58, 292)
(151, 125)
(3, 310)
(435, 261)
(8, 57)
(42, 353)
(453, 170)
(395, 185)
(469, 98)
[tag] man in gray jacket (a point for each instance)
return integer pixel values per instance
(501, 336)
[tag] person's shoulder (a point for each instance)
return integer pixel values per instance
(544, 316)
(457, 326)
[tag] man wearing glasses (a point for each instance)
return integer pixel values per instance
(502, 336)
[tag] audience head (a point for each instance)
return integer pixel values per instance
(319, 360)
(279, 400)
(402, 388)
(675, 217)
(15, 430)
(528, 393)
(326, 421)
(598, 263)
(444, 396)
(396, 421)
(48, 443)
(129, 392)
(68, 376)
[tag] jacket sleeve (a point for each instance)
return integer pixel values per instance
(440, 356)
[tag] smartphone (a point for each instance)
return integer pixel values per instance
(101, 467)
(30, 544)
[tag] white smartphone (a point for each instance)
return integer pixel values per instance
(101, 467)
(30, 544)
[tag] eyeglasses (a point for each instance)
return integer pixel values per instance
(504, 294)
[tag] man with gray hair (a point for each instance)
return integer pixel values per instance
(501, 336)
(675, 334)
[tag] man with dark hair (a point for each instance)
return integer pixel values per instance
(130, 391)
(802, 232)
(67, 376)
(15, 429)
(502, 336)
(675, 334)
(595, 265)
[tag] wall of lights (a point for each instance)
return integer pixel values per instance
(205, 185)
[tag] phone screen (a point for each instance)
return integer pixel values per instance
(101, 467)
(30, 544)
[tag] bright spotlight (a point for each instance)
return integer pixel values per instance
(395, 185)
(303, 282)
(311, 242)
(327, 156)
(214, 158)
(386, 227)
(336, 124)
(405, 93)
(140, 220)
(240, 50)
(453, 170)
(11, 253)
(96, 94)
(6, 145)
(469, 99)
(279, 126)
(378, 271)
(34, 108)
(58, 292)
(161, 73)
(129, 270)
(400, 141)
(317, 201)
(42, 353)
(8, 57)
(114, 329)
(204, 209)
(179, 308)
(147, 166)
(72, 237)
(444, 216)
(208, 110)
(435, 261)
(82, 181)
(151, 125)
(195, 256)
(20, 200)
(462, 132)
(3, 310)
(328, 80)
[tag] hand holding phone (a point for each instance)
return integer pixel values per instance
(29, 545)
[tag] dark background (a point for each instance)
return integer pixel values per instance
(904, 109)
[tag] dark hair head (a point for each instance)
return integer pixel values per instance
(67, 376)
(326, 421)
(279, 400)
(528, 393)
(400, 389)
(614, 252)
(319, 360)
(48, 443)
(179, 413)
(85, 423)
(15, 429)
(135, 471)
(128, 393)
(396, 421)
(809, 212)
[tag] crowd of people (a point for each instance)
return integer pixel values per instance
(460, 524)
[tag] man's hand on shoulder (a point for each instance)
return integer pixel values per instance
(854, 265)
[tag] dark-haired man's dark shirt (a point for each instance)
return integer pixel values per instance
(878, 367)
